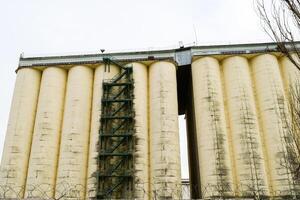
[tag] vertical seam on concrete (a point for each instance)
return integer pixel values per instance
(161, 141)
(89, 135)
(149, 135)
(59, 140)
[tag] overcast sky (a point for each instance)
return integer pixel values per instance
(71, 26)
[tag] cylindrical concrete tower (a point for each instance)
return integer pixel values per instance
(73, 157)
(243, 123)
(46, 138)
(17, 145)
(273, 111)
(141, 155)
(164, 138)
(99, 77)
(213, 146)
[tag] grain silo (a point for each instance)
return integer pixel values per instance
(213, 147)
(250, 171)
(73, 156)
(46, 135)
(272, 107)
(20, 127)
(100, 126)
(164, 138)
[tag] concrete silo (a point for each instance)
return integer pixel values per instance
(213, 147)
(73, 156)
(46, 138)
(272, 109)
(164, 138)
(243, 122)
(14, 164)
(141, 158)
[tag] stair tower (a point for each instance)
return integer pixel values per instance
(116, 136)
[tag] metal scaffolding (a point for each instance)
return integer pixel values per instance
(116, 136)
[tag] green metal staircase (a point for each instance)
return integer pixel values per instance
(116, 136)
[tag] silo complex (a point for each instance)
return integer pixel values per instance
(102, 126)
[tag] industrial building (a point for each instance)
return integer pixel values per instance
(105, 125)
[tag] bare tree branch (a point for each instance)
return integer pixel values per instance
(279, 18)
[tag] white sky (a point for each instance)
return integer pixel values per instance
(76, 26)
